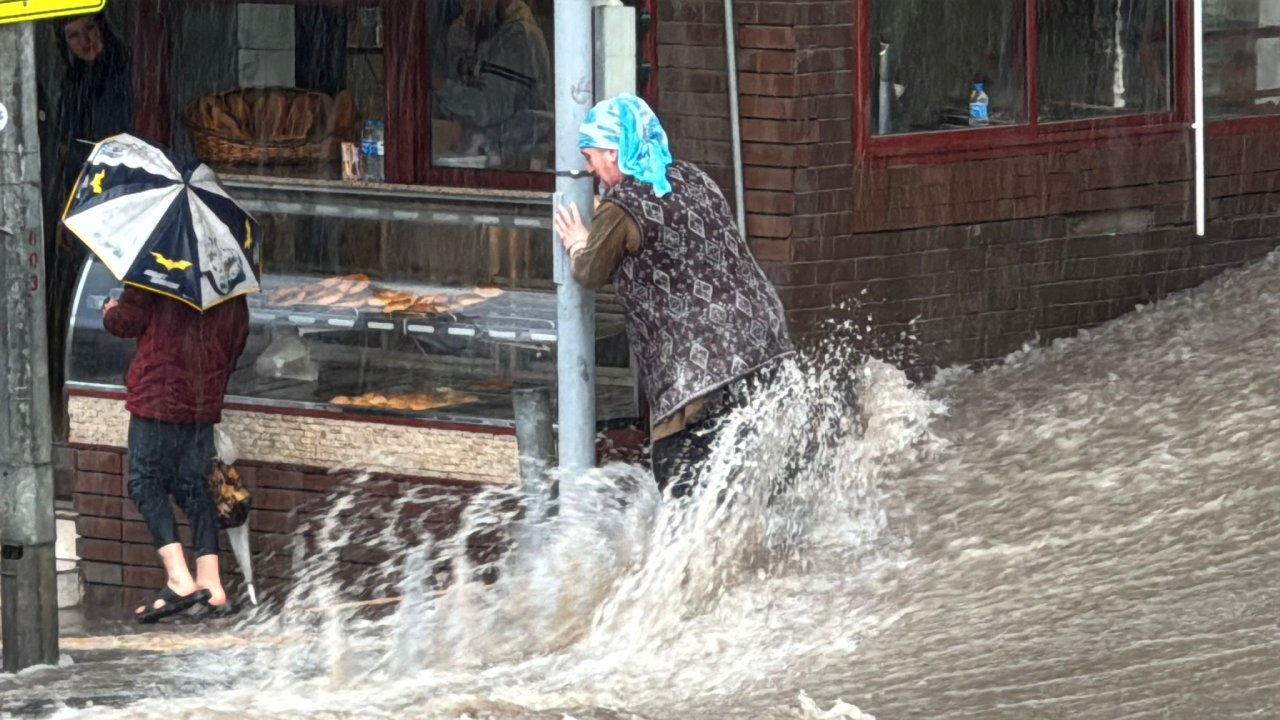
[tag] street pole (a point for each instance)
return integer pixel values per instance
(575, 307)
(28, 569)
(536, 443)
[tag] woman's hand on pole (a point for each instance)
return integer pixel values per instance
(573, 232)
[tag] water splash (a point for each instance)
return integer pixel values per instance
(576, 608)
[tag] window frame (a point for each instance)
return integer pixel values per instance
(407, 59)
(1033, 134)
(1229, 125)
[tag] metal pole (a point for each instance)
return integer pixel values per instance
(575, 307)
(735, 115)
(535, 436)
(1197, 78)
(28, 569)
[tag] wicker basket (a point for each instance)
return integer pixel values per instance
(216, 147)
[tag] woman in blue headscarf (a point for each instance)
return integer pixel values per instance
(704, 323)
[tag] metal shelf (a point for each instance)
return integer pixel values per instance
(371, 201)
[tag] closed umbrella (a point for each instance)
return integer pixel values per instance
(163, 224)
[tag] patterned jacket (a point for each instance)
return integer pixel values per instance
(700, 311)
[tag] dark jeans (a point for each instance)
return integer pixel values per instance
(168, 459)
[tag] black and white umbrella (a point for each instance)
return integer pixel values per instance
(164, 225)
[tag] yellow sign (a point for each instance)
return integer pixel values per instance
(12, 11)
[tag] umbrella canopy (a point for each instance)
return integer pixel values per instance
(164, 225)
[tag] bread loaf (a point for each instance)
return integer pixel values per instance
(301, 118)
(238, 108)
(342, 120)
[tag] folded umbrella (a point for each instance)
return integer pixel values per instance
(232, 502)
(163, 224)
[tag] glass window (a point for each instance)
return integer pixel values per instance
(1103, 57)
(275, 89)
(492, 88)
(1242, 57)
(927, 56)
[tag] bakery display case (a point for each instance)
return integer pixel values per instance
(373, 308)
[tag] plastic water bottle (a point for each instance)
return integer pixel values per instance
(373, 147)
(979, 106)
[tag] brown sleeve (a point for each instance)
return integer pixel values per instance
(613, 234)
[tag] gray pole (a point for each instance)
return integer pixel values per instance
(28, 580)
(735, 116)
(575, 313)
(535, 437)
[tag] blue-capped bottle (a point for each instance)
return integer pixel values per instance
(373, 148)
(979, 106)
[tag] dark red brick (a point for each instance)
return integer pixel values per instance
(134, 532)
(271, 499)
(107, 551)
(98, 461)
(143, 577)
(96, 483)
(98, 505)
(99, 573)
(267, 477)
(100, 528)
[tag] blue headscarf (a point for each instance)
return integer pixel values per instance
(627, 124)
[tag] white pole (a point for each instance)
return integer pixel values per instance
(735, 116)
(1197, 75)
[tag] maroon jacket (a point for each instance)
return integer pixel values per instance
(184, 358)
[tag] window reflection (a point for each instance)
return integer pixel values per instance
(929, 54)
(1242, 57)
(1103, 57)
(492, 87)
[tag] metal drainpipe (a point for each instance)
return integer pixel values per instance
(735, 115)
(575, 307)
(1198, 122)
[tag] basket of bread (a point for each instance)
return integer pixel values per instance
(270, 125)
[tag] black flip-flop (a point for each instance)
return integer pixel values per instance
(173, 604)
(205, 611)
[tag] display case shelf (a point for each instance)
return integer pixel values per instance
(385, 317)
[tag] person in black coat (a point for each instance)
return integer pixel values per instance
(95, 102)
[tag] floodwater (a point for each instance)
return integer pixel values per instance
(1091, 531)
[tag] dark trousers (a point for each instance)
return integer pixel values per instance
(678, 459)
(167, 459)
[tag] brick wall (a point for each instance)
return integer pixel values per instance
(984, 250)
(120, 567)
(989, 253)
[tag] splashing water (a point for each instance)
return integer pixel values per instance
(1087, 531)
(591, 606)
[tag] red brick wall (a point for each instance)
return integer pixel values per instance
(984, 251)
(120, 567)
(989, 253)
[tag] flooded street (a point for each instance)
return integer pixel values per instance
(1091, 531)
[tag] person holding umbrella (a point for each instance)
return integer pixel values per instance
(187, 254)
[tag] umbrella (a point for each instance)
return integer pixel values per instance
(232, 502)
(165, 225)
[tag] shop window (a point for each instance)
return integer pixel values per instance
(927, 56)
(1242, 57)
(492, 89)
(938, 65)
(274, 89)
(1099, 58)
